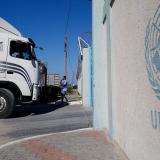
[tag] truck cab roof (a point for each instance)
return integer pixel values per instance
(9, 31)
(13, 37)
(7, 28)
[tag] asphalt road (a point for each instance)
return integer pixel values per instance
(31, 120)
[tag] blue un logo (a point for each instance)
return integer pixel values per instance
(152, 52)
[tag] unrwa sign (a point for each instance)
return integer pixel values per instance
(152, 56)
(155, 118)
(152, 52)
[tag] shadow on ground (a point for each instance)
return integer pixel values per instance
(36, 109)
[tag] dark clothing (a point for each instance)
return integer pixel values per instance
(63, 90)
(63, 96)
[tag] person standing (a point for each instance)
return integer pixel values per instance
(63, 86)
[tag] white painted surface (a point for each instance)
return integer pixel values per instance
(100, 66)
(133, 98)
(85, 79)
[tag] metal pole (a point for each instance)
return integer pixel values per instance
(65, 56)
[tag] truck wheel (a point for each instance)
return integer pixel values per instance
(7, 103)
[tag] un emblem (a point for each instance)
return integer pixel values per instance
(152, 52)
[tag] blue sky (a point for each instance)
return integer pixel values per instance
(44, 21)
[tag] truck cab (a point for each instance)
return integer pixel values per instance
(22, 75)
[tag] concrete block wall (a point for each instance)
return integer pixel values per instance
(135, 58)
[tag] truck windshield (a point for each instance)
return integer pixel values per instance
(22, 50)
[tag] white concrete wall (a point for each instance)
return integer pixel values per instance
(133, 99)
(85, 79)
(100, 66)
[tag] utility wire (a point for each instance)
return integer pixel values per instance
(65, 37)
(70, 67)
(68, 17)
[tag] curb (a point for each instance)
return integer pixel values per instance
(40, 136)
(75, 103)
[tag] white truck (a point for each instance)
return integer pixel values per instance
(22, 75)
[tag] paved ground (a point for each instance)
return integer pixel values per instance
(79, 145)
(17, 141)
(74, 97)
(31, 120)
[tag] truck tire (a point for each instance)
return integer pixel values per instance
(7, 103)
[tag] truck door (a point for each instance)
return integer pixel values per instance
(3, 55)
(22, 66)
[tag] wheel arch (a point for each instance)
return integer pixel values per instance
(13, 88)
